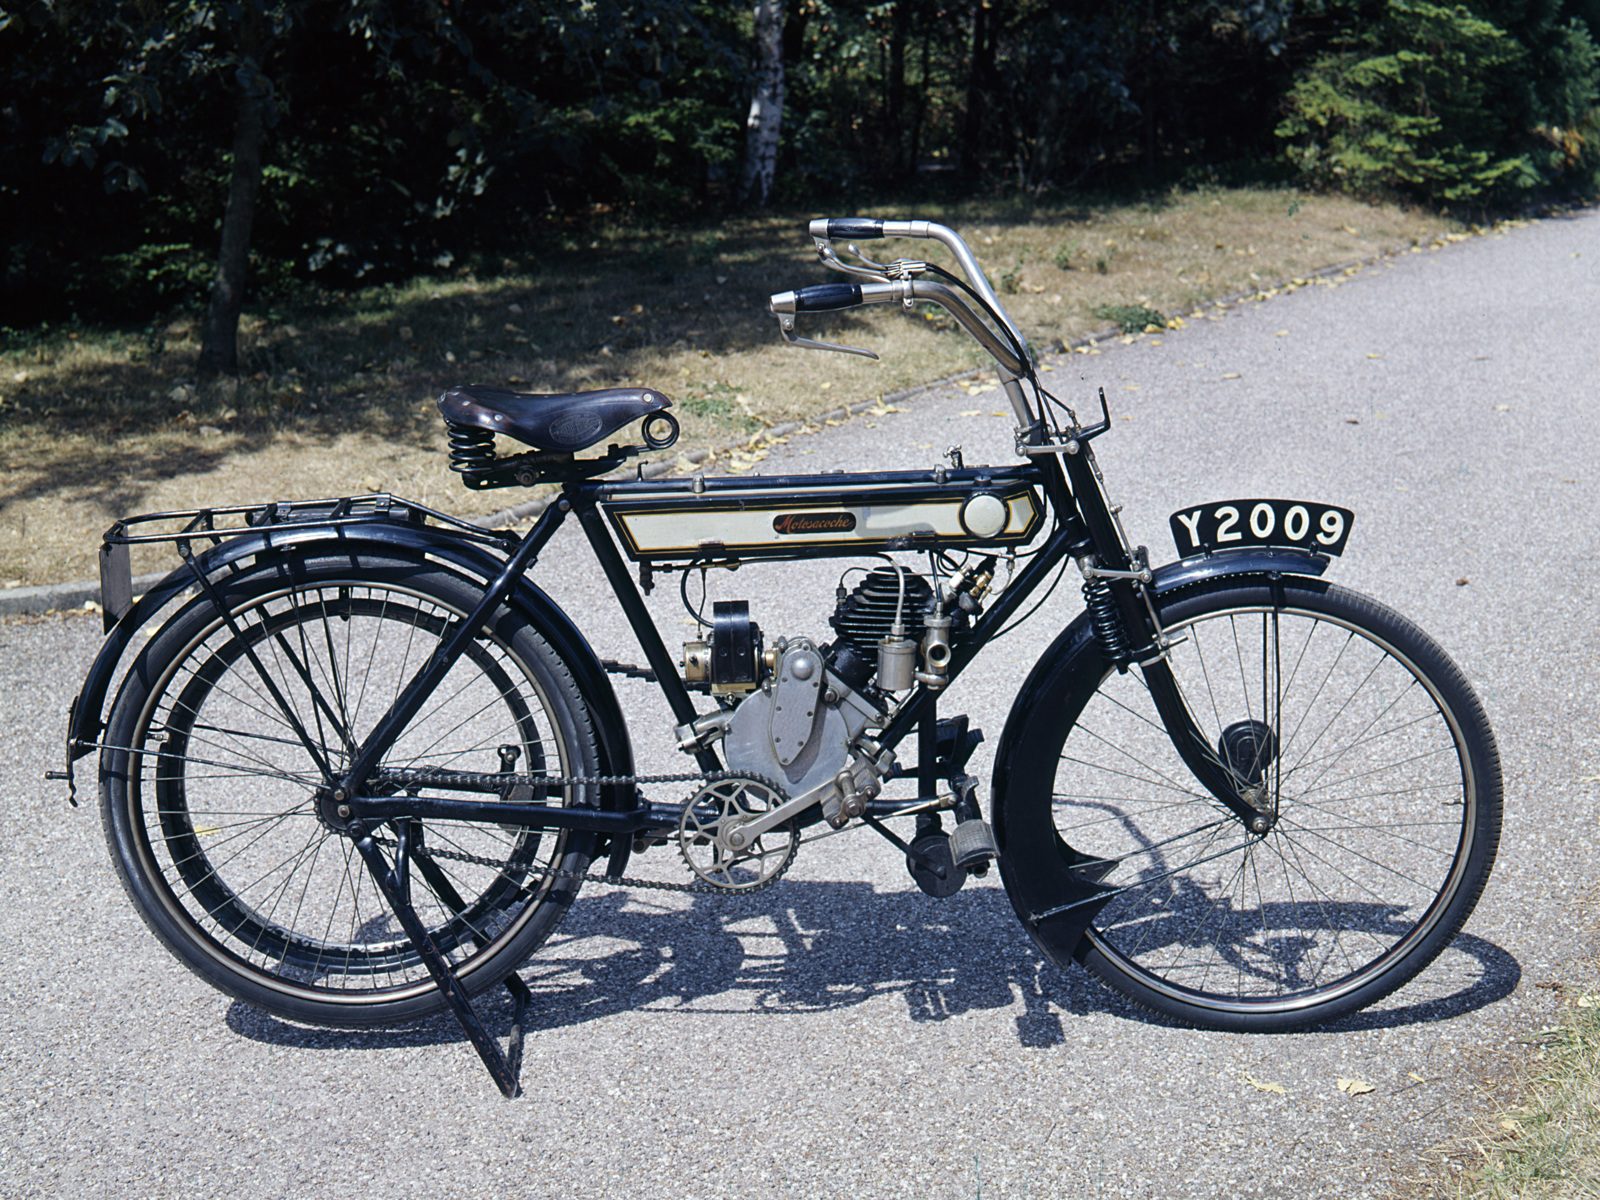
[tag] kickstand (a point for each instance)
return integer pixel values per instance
(395, 885)
(521, 995)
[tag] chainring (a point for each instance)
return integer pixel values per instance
(717, 810)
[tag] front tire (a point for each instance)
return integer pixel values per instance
(209, 790)
(1360, 741)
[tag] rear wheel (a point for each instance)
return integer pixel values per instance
(209, 789)
(1365, 751)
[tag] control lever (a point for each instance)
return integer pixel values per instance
(818, 298)
(786, 327)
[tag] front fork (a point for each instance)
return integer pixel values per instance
(1117, 580)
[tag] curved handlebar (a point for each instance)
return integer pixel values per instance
(826, 228)
(825, 297)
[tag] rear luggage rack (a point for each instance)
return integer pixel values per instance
(183, 527)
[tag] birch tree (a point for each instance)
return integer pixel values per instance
(766, 106)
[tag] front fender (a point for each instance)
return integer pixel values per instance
(1054, 901)
(469, 558)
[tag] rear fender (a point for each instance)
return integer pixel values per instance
(467, 558)
(1056, 903)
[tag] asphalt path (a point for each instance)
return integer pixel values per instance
(842, 1034)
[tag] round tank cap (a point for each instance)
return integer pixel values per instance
(984, 515)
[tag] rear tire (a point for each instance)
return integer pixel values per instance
(207, 788)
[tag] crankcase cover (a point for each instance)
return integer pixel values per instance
(750, 748)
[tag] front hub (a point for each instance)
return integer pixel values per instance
(1247, 749)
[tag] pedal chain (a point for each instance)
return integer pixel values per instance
(442, 779)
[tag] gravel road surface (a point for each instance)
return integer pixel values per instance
(842, 1034)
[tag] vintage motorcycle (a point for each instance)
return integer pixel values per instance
(363, 764)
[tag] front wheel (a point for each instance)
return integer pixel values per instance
(228, 729)
(1376, 787)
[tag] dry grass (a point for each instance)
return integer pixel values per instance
(338, 396)
(1548, 1146)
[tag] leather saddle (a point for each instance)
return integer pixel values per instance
(562, 423)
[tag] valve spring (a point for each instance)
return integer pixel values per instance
(471, 449)
(1105, 618)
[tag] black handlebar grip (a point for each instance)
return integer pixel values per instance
(823, 297)
(861, 228)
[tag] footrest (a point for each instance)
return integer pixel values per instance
(972, 844)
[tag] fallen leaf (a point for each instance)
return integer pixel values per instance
(1374, 356)
(1587, 1001)
(372, 483)
(1276, 1089)
(1462, 582)
(999, 414)
(1355, 1087)
(1414, 1075)
(1281, 333)
(1513, 1126)
(1351, 421)
(1233, 375)
(971, 412)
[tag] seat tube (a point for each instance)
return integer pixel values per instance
(415, 694)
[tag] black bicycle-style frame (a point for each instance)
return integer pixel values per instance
(1055, 492)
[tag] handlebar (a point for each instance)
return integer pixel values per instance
(864, 228)
(828, 297)
(821, 297)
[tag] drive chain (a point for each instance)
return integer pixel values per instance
(443, 779)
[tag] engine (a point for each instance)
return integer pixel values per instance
(798, 713)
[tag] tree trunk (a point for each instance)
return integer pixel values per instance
(219, 339)
(895, 133)
(977, 84)
(766, 106)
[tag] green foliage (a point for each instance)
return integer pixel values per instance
(1442, 103)
(415, 135)
(1131, 318)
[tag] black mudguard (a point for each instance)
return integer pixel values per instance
(1055, 901)
(468, 558)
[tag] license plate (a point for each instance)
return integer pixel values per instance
(1231, 524)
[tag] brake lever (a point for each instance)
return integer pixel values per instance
(786, 327)
(830, 258)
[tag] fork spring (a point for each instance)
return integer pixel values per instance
(1107, 621)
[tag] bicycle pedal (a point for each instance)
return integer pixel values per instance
(972, 845)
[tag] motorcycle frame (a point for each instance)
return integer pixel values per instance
(1059, 465)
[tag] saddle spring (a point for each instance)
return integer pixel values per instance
(471, 448)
